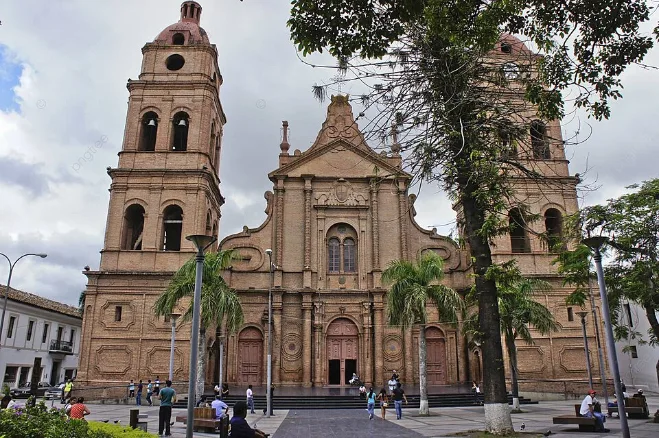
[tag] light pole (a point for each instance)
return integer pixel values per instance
(583, 314)
(596, 243)
(173, 317)
(11, 270)
(201, 242)
(600, 354)
(269, 378)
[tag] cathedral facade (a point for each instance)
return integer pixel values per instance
(337, 215)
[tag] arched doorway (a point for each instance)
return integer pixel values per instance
(436, 356)
(250, 356)
(342, 351)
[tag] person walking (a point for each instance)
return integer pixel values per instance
(68, 389)
(167, 398)
(149, 392)
(384, 402)
(138, 399)
(250, 399)
(399, 396)
(156, 386)
(131, 389)
(370, 403)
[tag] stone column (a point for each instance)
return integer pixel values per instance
(375, 225)
(276, 338)
(403, 216)
(306, 340)
(318, 343)
(307, 233)
(379, 328)
(368, 342)
(279, 232)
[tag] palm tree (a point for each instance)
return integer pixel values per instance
(219, 306)
(518, 310)
(414, 286)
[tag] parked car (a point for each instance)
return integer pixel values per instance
(54, 392)
(24, 391)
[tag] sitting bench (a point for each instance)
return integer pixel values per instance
(585, 424)
(205, 421)
(635, 407)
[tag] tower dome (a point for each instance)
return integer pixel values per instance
(187, 31)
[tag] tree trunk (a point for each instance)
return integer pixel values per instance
(497, 411)
(423, 374)
(201, 364)
(512, 356)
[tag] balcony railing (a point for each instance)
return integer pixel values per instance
(61, 347)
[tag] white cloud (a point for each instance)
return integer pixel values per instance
(77, 56)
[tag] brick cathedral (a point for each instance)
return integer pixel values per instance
(337, 214)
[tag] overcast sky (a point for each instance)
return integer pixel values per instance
(63, 71)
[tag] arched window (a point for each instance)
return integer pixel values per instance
(178, 39)
(539, 142)
(333, 255)
(209, 223)
(180, 126)
(133, 227)
(217, 154)
(172, 228)
(349, 255)
(554, 229)
(149, 132)
(519, 239)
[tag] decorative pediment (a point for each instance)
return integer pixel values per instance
(341, 194)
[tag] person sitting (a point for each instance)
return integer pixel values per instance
(354, 379)
(225, 390)
(221, 408)
(588, 410)
(79, 410)
(239, 426)
(392, 385)
(7, 402)
(362, 391)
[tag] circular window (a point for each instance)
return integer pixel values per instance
(174, 62)
(511, 71)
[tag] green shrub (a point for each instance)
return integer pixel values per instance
(5, 389)
(41, 422)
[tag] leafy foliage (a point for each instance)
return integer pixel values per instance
(41, 422)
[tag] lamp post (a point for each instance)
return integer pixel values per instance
(583, 314)
(11, 270)
(201, 242)
(173, 317)
(596, 243)
(269, 378)
(600, 354)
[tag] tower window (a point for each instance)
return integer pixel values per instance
(519, 239)
(333, 256)
(117, 314)
(172, 228)
(508, 148)
(178, 39)
(174, 62)
(149, 132)
(570, 314)
(348, 255)
(539, 142)
(209, 224)
(554, 229)
(133, 228)
(217, 154)
(180, 126)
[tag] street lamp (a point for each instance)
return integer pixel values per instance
(201, 242)
(583, 314)
(11, 270)
(595, 243)
(173, 317)
(269, 378)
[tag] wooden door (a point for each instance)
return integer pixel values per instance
(436, 356)
(342, 342)
(250, 356)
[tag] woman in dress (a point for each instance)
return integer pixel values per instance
(384, 402)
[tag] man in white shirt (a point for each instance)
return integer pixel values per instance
(588, 410)
(392, 385)
(250, 399)
(221, 408)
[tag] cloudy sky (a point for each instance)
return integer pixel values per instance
(63, 72)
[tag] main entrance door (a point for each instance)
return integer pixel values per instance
(342, 350)
(250, 356)
(436, 356)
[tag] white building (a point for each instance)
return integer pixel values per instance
(38, 327)
(638, 362)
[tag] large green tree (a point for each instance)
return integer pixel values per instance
(413, 288)
(631, 222)
(444, 94)
(219, 305)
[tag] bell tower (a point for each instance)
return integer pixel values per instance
(166, 186)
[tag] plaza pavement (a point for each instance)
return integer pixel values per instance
(443, 422)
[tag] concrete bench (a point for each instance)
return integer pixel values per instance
(585, 424)
(635, 407)
(204, 421)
